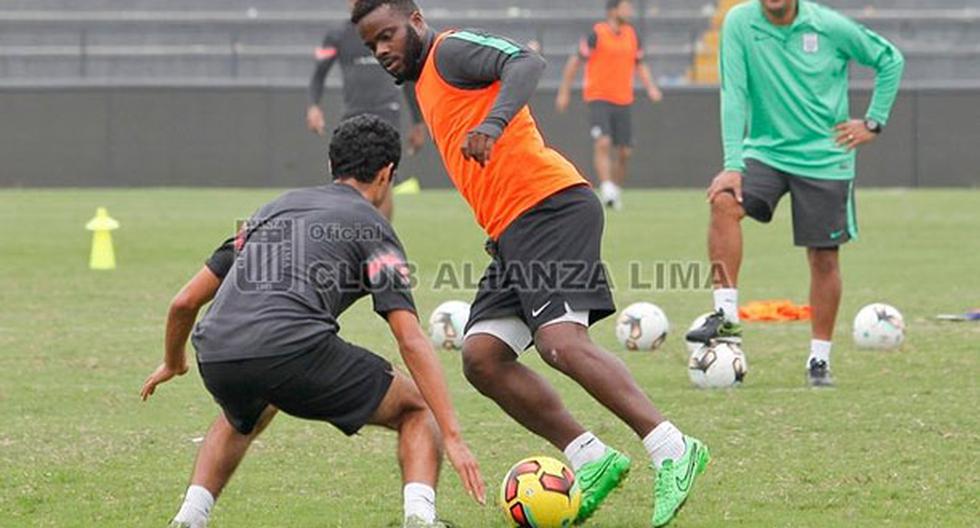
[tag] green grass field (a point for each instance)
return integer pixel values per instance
(895, 444)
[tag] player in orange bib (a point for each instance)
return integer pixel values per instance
(546, 283)
(613, 56)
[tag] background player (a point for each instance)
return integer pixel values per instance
(259, 335)
(366, 89)
(786, 127)
(613, 55)
(541, 216)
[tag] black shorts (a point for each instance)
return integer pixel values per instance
(334, 382)
(823, 210)
(612, 121)
(548, 262)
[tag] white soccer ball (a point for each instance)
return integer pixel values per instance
(694, 345)
(642, 326)
(717, 366)
(447, 323)
(879, 326)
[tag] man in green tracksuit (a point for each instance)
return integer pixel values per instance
(787, 128)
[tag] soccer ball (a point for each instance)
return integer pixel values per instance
(879, 326)
(694, 345)
(540, 492)
(642, 326)
(717, 366)
(447, 323)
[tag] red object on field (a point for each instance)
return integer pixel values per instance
(776, 310)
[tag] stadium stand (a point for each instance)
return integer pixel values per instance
(235, 42)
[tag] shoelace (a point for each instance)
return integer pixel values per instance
(663, 484)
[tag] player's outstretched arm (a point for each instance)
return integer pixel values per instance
(421, 361)
(180, 320)
(567, 78)
(646, 77)
(325, 55)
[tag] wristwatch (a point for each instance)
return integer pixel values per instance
(872, 126)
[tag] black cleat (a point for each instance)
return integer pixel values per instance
(818, 374)
(716, 328)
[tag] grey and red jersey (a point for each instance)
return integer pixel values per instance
(298, 264)
(368, 89)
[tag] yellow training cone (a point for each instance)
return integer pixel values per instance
(409, 186)
(103, 257)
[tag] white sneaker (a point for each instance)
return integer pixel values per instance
(611, 195)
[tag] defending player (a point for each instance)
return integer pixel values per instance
(546, 282)
(786, 128)
(269, 340)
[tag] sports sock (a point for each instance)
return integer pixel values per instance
(726, 300)
(196, 509)
(608, 190)
(665, 441)
(819, 350)
(584, 449)
(420, 500)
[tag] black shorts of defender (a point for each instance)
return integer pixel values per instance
(548, 262)
(334, 382)
(613, 121)
(823, 210)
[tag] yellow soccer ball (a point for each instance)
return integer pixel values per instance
(540, 492)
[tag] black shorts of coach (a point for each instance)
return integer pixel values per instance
(548, 263)
(333, 381)
(823, 210)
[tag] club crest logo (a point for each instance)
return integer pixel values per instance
(811, 43)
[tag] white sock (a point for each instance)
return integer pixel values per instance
(608, 190)
(820, 350)
(584, 449)
(665, 441)
(420, 501)
(196, 508)
(726, 300)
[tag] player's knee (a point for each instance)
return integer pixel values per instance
(558, 351)
(603, 144)
(478, 367)
(726, 206)
(625, 153)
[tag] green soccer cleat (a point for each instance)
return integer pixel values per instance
(675, 480)
(597, 480)
(716, 328)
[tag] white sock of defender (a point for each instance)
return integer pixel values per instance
(584, 449)
(420, 501)
(196, 509)
(726, 300)
(665, 441)
(820, 350)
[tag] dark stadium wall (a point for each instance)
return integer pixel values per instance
(255, 137)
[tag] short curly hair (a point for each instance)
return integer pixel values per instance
(364, 8)
(363, 145)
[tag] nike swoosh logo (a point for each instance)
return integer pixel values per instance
(684, 483)
(836, 234)
(536, 313)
